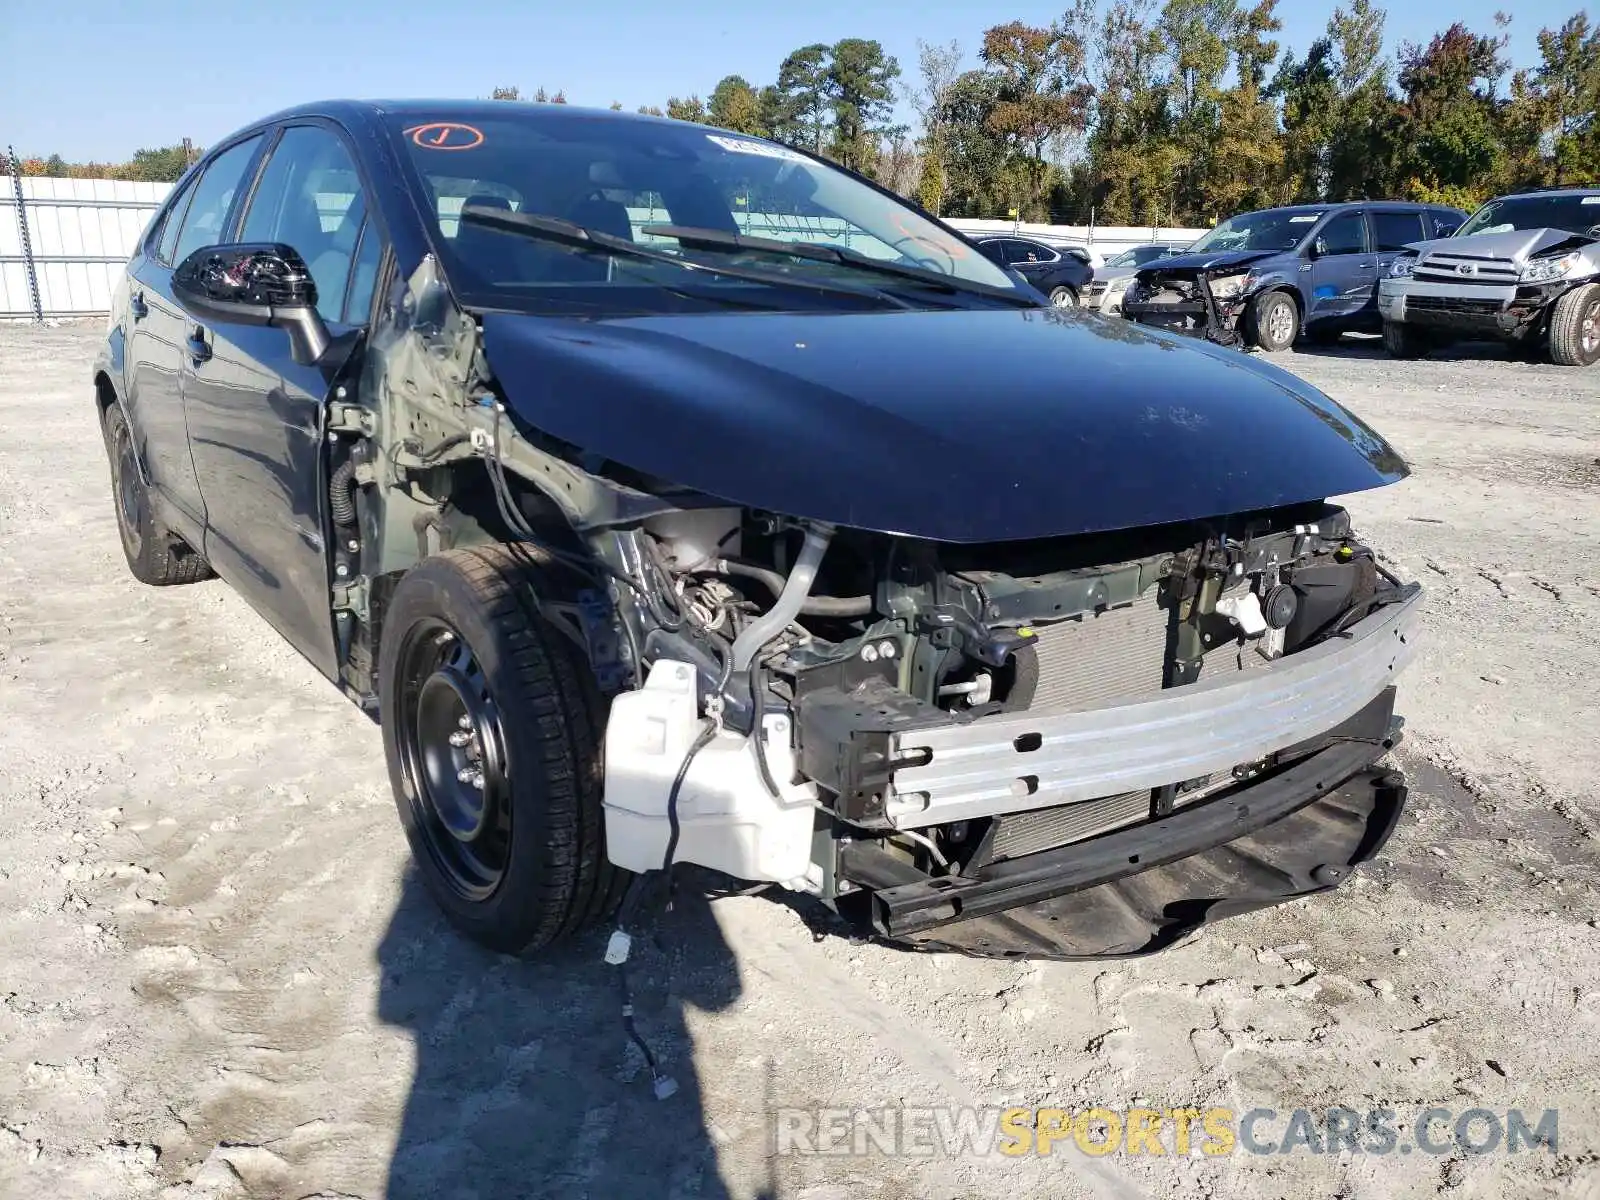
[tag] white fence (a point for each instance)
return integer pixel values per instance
(79, 233)
(1107, 239)
(62, 248)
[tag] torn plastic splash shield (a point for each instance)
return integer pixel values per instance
(1140, 890)
(1043, 757)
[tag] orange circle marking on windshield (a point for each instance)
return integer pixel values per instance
(446, 135)
(953, 250)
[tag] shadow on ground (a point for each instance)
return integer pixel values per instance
(525, 1082)
(1357, 346)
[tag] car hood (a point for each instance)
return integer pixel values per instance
(962, 425)
(1210, 260)
(1515, 245)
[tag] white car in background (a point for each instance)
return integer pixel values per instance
(1112, 280)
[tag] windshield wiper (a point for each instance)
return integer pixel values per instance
(721, 239)
(594, 241)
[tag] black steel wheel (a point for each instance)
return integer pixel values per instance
(155, 555)
(452, 757)
(492, 727)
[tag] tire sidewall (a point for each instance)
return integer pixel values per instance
(1262, 321)
(1577, 303)
(115, 430)
(1062, 289)
(435, 589)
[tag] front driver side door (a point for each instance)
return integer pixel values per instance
(1342, 275)
(256, 417)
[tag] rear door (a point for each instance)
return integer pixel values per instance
(1343, 278)
(1392, 230)
(157, 348)
(256, 416)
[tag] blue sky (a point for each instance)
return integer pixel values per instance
(97, 79)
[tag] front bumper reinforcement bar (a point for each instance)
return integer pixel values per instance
(1010, 763)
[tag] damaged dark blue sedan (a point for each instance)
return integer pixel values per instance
(671, 495)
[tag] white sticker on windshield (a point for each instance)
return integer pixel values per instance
(1304, 220)
(1590, 200)
(746, 146)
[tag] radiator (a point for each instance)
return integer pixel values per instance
(1101, 658)
(1045, 828)
(1088, 662)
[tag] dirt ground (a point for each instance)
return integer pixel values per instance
(218, 979)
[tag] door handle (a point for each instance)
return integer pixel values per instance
(199, 346)
(138, 307)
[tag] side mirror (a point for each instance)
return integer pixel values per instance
(255, 283)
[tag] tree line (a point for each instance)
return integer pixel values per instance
(1160, 112)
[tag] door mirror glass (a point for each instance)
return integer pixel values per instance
(254, 283)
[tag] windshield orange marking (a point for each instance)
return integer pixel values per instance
(446, 135)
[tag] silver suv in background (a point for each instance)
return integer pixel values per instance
(1524, 269)
(1104, 291)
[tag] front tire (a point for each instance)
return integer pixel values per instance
(1575, 327)
(1063, 297)
(1402, 341)
(492, 727)
(1274, 322)
(155, 555)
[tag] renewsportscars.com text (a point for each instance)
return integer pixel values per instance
(1211, 1132)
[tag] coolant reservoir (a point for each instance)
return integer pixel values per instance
(727, 819)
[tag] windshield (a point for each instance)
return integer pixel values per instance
(1273, 229)
(623, 176)
(1575, 214)
(1137, 256)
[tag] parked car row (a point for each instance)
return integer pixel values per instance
(1524, 269)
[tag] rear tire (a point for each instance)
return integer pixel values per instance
(1403, 342)
(1274, 322)
(1575, 327)
(473, 679)
(155, 554)
(1063, 297)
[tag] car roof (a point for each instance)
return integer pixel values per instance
(1337, 205)
(447, 109)
(1553, 191)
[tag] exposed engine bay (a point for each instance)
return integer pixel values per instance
(1201, 303)
(792, 679)
(946, 740)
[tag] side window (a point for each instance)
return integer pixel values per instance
(1017, 251)
(1392, 230)
(205, 221)
(1346, 234)
(1444, 224)
(174, 222)
(310, 198)
(364, 275)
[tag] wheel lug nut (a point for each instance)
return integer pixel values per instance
(477, 780)
(465, 775)
(464, 721)
(460, 737)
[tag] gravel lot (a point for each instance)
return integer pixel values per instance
(217, 978)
